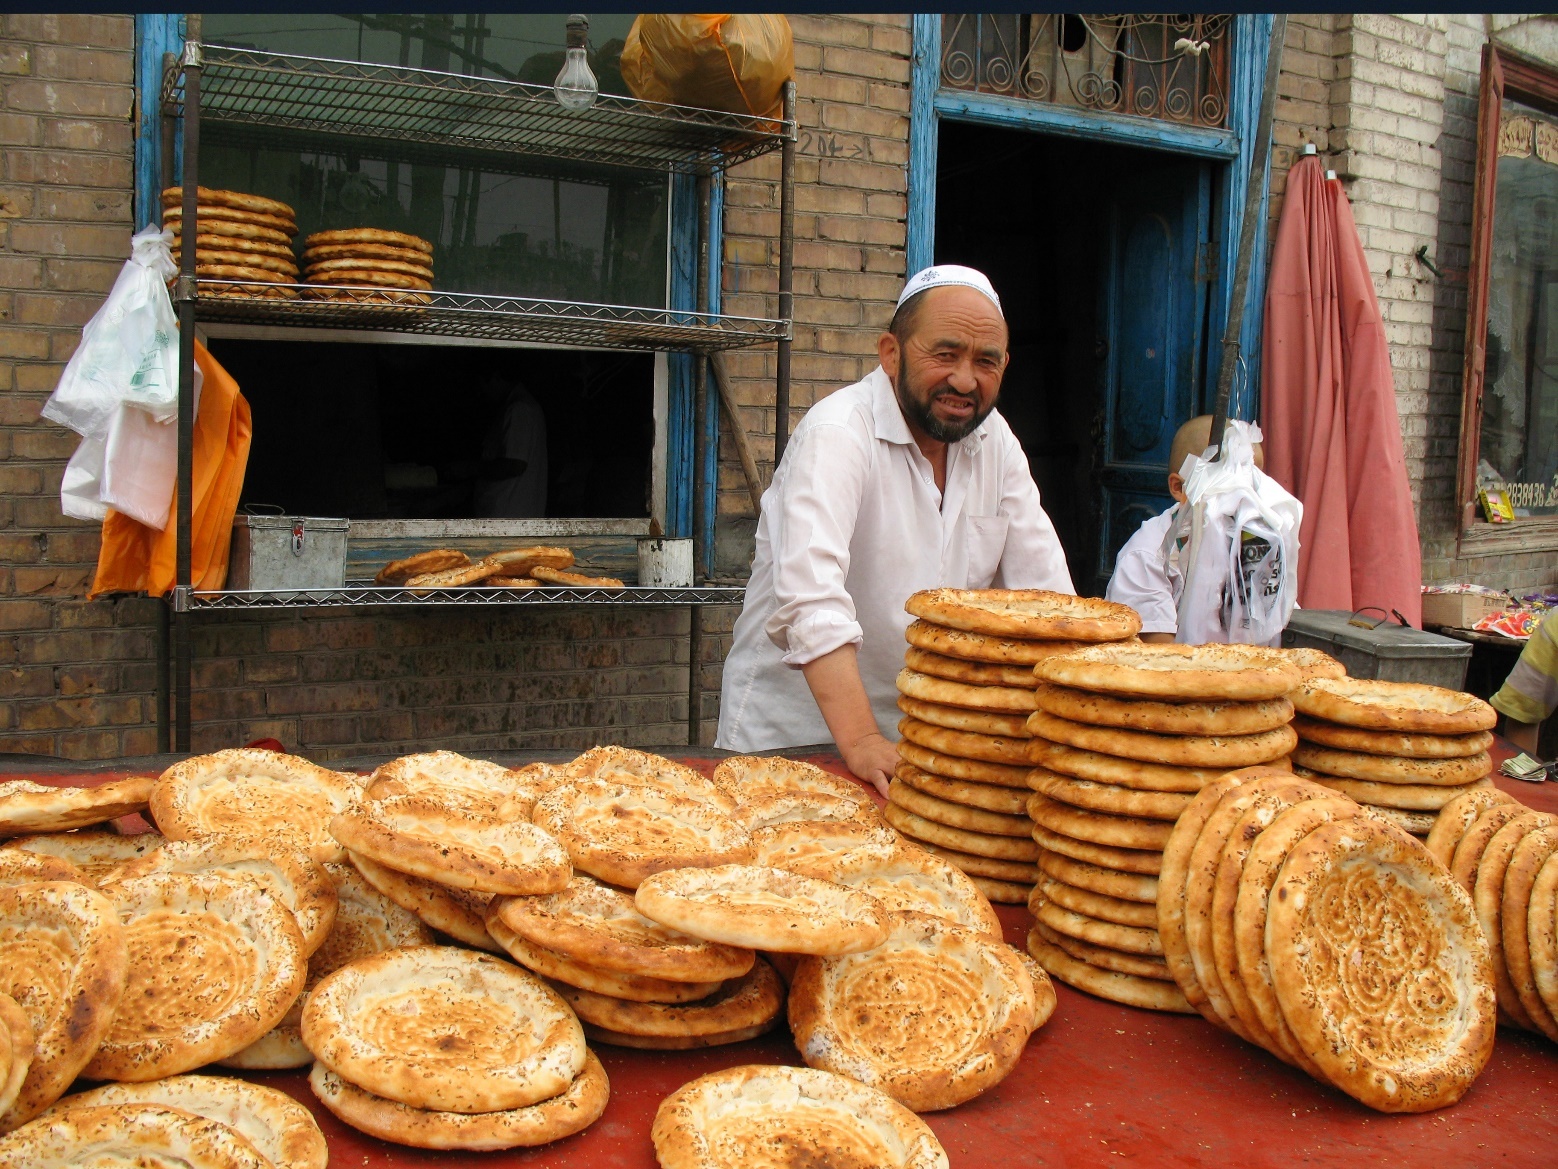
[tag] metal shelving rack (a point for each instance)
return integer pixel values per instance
(385, 111)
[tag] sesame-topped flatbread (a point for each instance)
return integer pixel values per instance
(1011, 725)
(129, 1134)
(981, 647)
(1164, 718)
(644, 769)
(239, 200)
(945, 692)
(1195, 672)
(456, 781)
(961, 670)
(1026, 613)
(750, 777)
(368, 235)
(519, 561)
(174, 217)
(93, 853)
(1410, 707)
(432, 561)
(1225, 751)
(1314, 663)
(1413, 746)
(28, 807)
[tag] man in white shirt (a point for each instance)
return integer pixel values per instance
(905, 481)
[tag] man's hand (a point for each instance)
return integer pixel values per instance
(835, 683)
(872, 759)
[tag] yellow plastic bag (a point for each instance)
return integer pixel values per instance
(736, 62)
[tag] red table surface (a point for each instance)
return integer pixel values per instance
(1099, 1081)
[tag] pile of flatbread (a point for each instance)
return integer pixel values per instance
(1506, 856)
(1403, 748)
(1123, 736)
(517, 568)
(966, 692)
(238, 238)
(368, 265)
(1316, 928)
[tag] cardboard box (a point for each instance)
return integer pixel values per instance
(1460, 610)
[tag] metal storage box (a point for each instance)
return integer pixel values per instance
(1394, 652)
(274, 552)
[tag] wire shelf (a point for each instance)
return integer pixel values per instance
(377, 102)
(489, 318)
(359, 596)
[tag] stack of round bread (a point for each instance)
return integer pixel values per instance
(966, 692)
(1124, 736)
(238, 237)
(367, 265)
(1315, 928)
(1403, 748)
(1506, 856)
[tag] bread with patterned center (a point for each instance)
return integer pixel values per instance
(1026, 613)
(129, 1134)
(458, 781)
(93, 854)
(950, 1011)
(643, 769)
(18, 1044)
(1195, 672)
(20, 867)
(914, 879)
(769, 1117)
(28, 807)
(446, 1029)
(1405, 707)
(749, 777)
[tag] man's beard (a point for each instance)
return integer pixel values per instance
(917, 409)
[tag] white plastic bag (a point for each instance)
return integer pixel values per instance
(1240, 556)
(119, 391)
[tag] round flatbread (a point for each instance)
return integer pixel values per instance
(1126, 938)
(1268, 852)
(760, 1115)
(1314, 663)
(94, 854)
(1007, 848)
(967, 744)
(250, 793)
(238, 200)
(560, 969)
(992, 798)
(206, 258)
(1177, 672)
(1459, 815)
(1400, 1019)
(802, 807)
(1026, 613)
(206, 244)
(624, 834)
(986, 867)
(1143, 862)
(371, 252)
(460, 913)
(962, 670)
(1104, 797)
(1418, 824)
(1487, 900)
(1468, 851)
(66, 961)
(1345, 738)
(1406, 797)
(981, 647)
(1098, 879)
(954, 815)
(749, 777)
(434, 560)
(956, 767)
(763, 908)
(209, 271)
(446, 1029)
(1393, 768)
(1542, 934)
(20, 867)
(1130, 990)
(1118, 961)
(573, 1111)
(600, 925)
(368, 235)
(299, 884)
(214, 963)
(28, 807)
(1208, 751)
(959, 718)
(225, 229)
(1164, 718)
(463, 848)
(753, 1000)
(1513, 918)
(1131, 773)
(943, 691)
(368, 277)
(1098, 827)
(173, 218)
(129, 1134)
(18, 1045)
(1098, 905)
(677, 1042)
(325, 267)
(914, 880)
(1003, 892)
(642, 769)
(280, 1129)
(1404, 707)
(801, 843)
(456, 781)
(951, 1011)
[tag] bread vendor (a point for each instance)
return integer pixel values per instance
(907, 480)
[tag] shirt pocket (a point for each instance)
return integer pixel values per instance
(986, 541)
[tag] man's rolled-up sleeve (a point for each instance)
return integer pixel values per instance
(1033, 557)
(815, 509)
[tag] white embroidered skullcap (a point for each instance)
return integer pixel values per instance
(940, 275)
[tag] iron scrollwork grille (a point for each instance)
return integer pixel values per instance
(1171, 67)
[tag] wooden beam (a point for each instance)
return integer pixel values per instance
(738, 433)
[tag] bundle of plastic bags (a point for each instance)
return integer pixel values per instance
(737, 62)
(1236, 539)
(120, 392)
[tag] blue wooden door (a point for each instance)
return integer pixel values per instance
(1152, 338)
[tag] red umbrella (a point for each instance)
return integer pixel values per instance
(1329, 409)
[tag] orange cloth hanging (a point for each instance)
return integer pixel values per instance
(135, 558)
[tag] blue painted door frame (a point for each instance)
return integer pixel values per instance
(929, 104)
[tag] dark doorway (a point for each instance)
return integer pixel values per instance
(1099, 253)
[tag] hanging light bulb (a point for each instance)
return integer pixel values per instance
(576, 86)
